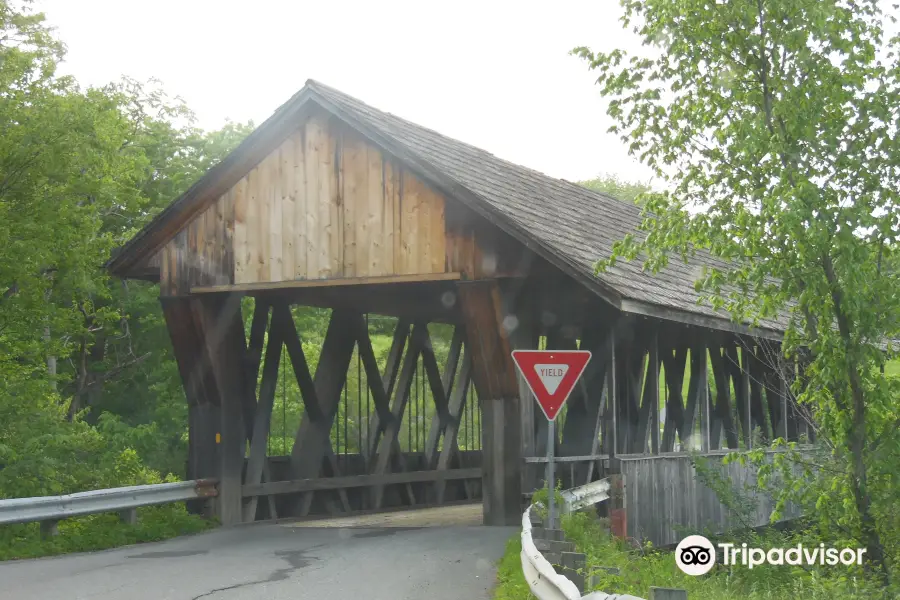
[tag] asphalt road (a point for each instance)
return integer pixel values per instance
(387, 558)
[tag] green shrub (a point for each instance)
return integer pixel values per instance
(98, 532)
(643, 566)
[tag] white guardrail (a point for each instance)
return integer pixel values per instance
(542, 578)
(585, 495)
(56, 508)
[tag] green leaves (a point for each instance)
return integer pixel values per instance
(776, 141)
(89, 393)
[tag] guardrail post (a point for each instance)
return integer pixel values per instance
(49, 529)
(572, 566)
(618, 519)
(128, 516)
(657, 593)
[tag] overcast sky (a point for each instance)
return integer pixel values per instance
(496, 74)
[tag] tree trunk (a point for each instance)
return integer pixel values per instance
(51, 360)
(875, 555)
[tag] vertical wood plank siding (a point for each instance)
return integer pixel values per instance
(666, 501)
(328, 204)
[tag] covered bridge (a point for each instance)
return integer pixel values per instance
(335, 204)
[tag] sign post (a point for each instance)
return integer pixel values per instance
(551, 376)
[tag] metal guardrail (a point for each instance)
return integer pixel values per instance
(585, 495)
(543, 580)
(55, 508)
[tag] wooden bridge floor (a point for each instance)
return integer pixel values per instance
(441, 516)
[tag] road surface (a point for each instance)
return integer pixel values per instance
(422, 555)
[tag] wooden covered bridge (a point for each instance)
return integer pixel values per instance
(334, 204)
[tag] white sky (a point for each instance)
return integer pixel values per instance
(492, 73)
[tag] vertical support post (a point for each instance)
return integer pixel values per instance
(222, 331)
(745, 387)
(494, 374)
(572, 567)
(653, 382)
(612, 404)
(203, 452)
(618, 517)
(200, 391)
(128, 516)
(703, 392)
(49, 529)
(783, 402)
(551, 476)
(525, 337)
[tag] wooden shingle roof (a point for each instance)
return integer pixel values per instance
(577, 225)
(569, 225)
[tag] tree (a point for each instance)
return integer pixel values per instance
(80, 172)
(617, 188)
(774, 125)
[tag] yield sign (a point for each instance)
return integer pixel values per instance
(551, 375)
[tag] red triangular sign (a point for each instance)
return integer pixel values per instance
(551, 375)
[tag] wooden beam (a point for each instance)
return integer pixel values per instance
(190, 353)
(611, 433)
(696, 395)
(746, 411)
(312, 439)
(441, 388)
(388, 442)
(793, 412)
(203, 410)
(734, 370)
(252, 360)
(294, 347)
(382, 386)
(757, 409)
(495, 380)
(222, 330)
(356, 481)
(296, 284)
(651, 394)
(674, 364)
(455, 406)
(526, 337)
(723, 397)
(580, 432)
(259, 440)
(634, 376)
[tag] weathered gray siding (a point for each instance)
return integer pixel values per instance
(665, 500)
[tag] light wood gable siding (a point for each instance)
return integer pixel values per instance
(327, 204)
(201, 253)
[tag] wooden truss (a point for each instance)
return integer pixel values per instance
(672, 390)
(314, 479)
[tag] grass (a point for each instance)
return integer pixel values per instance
(641, 568)
(511, 584)
(99, 532)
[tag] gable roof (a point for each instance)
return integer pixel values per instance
(567, 224)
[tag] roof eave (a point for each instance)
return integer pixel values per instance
(647, 309)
